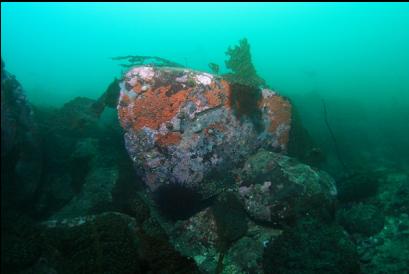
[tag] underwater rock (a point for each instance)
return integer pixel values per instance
(20, 153)
(231, 219)
(100, 178)
(108, 99)
(394, 193)
(246, 255)
(357, 186)
(199, 238)
(84, 157)
(78, 118)
(105, 243)
(110, 242)
(278, 189)
(365, 219)
(69, 147)
(387, 251)
(311, 247)
(21, 244)
(85, 162)
(94, 184)
(181, 125)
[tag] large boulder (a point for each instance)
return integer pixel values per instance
(201, 238)
(181, 126)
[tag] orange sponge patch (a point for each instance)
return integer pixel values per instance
(154, 107)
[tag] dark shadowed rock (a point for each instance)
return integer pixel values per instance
(311, 247)
(20, 153)
(278, 189)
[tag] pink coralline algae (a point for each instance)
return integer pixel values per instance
(180, 125)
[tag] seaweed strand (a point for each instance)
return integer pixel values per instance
(334, 140)
(138, 60)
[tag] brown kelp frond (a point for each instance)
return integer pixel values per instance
(243, 70)
(138, 60)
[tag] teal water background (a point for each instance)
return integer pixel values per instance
(353, 55)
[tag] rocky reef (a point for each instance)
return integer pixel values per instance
(86, 213)
(173, 170)
(235, 229)
(194, 141)
(20, 153)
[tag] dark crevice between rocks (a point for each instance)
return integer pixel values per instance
(174, 88)
(158, 256)
(10, 193)
(125, 198)
(357, 186)
(231, 223)
(177, 202)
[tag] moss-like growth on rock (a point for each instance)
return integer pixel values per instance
(105, 245)
(21, 243)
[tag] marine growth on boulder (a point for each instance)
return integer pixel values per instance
(182, 125)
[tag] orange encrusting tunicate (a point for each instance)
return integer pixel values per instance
(218, 96)
(279, 111)
(154, 107)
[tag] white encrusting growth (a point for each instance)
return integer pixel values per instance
(145, 73)
(204, 79)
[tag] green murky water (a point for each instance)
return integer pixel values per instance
(354, 56)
